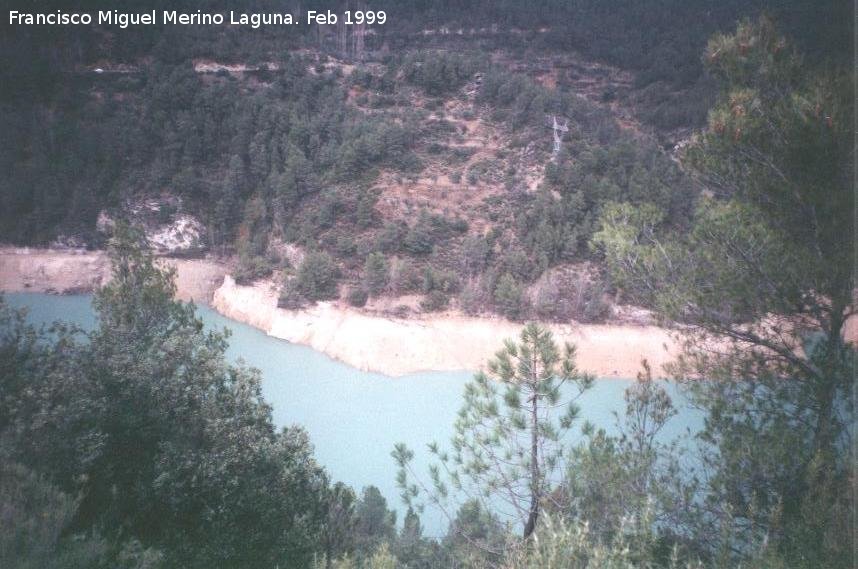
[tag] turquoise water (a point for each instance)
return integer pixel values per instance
(353, 417)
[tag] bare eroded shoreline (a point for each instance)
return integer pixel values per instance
(393, 346)
(443, 342)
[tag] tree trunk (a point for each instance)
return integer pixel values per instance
(534, 468)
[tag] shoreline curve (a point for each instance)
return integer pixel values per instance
(448, 341)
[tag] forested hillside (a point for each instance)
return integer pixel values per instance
(413, 159)
(550, 162)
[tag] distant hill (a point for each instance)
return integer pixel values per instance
(415, 159)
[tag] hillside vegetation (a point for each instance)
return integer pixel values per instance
(417, 162)
(416, 168)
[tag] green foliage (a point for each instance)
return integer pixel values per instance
(203, 139)
(561, 300)
(250, 269)
(317, 278)
(613, 479)
(439, 72)
(382, 559)
(255, 228)
(252, 243)
(475, 538)
(339, 527)
(35, 516)
(376, 273)
(762, 276)
(375, 525)
(526, 100)
(404, 276)
(430, 230)
(440, 280)
(438, 286)
(561, 545)
(435, 301)
(476, 250)
(509, 433)
(418, 240)
(509, 297)
(20, 356)
(163, 441)
(558, 230)
(389, 239)
(138, 445)
(358, 296)
(623, 227)
(411, 548)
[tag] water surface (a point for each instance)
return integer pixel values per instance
(354, 418)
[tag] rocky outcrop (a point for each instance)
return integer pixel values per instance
(70, 271)
(168, 231)
(182, 236)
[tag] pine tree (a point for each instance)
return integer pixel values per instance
(509, 435)
(376, 273)
(762, 282)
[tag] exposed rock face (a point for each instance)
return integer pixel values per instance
(443, 342)
(70, 271)
(168, 231)
(183, 236)
(65, 271)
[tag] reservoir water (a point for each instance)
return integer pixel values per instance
(354, 418)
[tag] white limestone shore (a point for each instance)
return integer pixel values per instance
(373, 342)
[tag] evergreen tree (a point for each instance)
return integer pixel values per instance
(763, 284)
(317, 277)
(252, 242)
(508, 296)
(339, 530)
(475, 538)
(376, 273)
(227, 207)
(35, 522)
(375, 525)
(509, 435)
(162, 441)
(412, 549)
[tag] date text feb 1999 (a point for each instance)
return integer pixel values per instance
(348, 17)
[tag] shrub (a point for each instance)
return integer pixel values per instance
(518, 264)
(418, 240)
(376, 273)
(549, 303)
(404, 277)
(391, 236)
(589, 304)
(345, 246)
(358, 296)
(475, 254)
(509, 297)
(439, 72)
(251, 268)
(290, 298)
(317, 277)
(434, 301)
(434, 279)
(472, 298)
